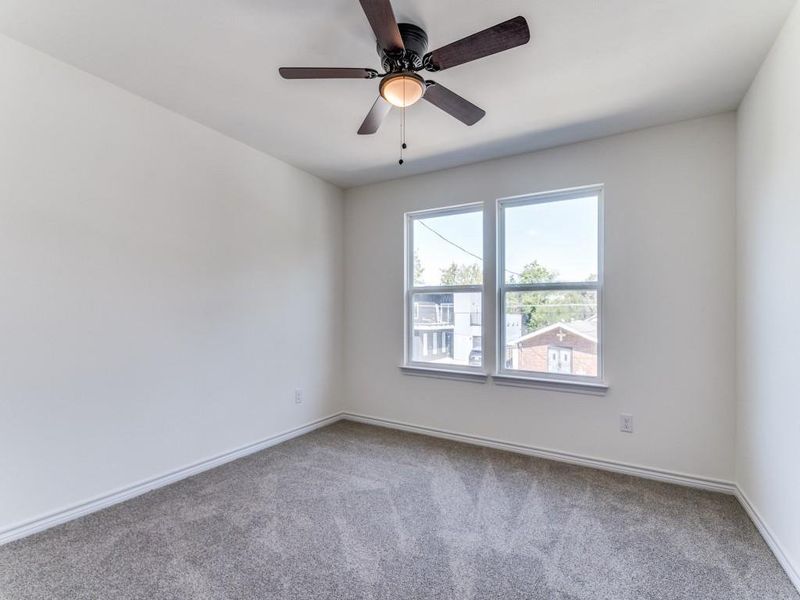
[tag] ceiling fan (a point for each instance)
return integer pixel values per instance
(403, 49)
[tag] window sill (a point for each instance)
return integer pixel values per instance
(575, 387)
(471, 376)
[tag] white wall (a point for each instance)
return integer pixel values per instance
(768, 211)
(669, 298)
(163, 289)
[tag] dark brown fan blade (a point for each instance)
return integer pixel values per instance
(453, 104)
(504, 36)
(381, 19)
(326, 73)
(375, 117)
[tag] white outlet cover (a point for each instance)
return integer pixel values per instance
(626, 423)
(298, 396)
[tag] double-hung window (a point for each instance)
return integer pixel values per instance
(549, 286)
(546, 250)
(444, 288)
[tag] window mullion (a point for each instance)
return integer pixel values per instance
(447, 289)
(550, 286)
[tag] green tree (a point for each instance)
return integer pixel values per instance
(462, 275)
(540, 309)
(535, 273)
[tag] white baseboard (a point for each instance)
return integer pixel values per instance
(715, 485)
(38, 524)
(791, 570)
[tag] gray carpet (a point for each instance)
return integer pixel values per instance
(353, 511)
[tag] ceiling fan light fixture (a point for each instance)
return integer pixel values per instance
(402, 89)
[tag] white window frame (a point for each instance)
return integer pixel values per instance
(502, 287)
(411, 290)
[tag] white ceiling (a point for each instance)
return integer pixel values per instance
(593, 68)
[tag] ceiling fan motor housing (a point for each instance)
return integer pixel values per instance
(416, 42)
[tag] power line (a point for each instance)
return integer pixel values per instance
(431, 229)
(464, 250)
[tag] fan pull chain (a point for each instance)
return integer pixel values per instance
(402, 134)
(403, 128)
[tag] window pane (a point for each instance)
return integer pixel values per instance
(448, 249)
(444, 332)
(551, 241)
(551, 332)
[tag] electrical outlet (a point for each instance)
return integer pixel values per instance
(298, 396)
(626, 423)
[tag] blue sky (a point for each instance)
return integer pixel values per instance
(560, 235)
